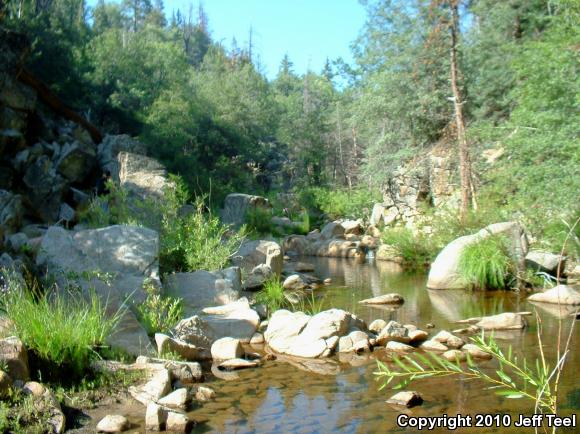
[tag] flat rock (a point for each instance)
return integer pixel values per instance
(418, 336)
(112, 423)
(503, 321)
(407, 398)
(392, 298)
(561, 294)
(235, 364)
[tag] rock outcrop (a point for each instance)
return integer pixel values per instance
(237, 206)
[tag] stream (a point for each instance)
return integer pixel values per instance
(342, 396)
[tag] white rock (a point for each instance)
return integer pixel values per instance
(377, 325)
(257, 339)
(176, 399)
(113, 423)
(406, 398)
(392, 298)
(204, 393)
(432, 345)
(176, 422)
(399, 347)
(476, 352)
(561, 294)
(226, 348)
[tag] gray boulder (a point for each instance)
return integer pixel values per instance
(142, 177)
(76, 161)
(546, 262)
(202, 289)
(444, 272)
(332, 230)
(108, 151)
(253, 253)
(128, 254)
(46, 188)
(14, 355)
(237, 205)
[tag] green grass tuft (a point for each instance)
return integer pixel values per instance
(272, 295)
(417, 250)
(486, 264)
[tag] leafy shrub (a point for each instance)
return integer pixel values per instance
(196, 241)
(417, 250)
(62, 331)
(486, 264)
(356, 203)
(159, 313)
(259, 220)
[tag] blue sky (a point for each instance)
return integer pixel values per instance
(308, 30)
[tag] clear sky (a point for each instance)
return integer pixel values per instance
(308, 30)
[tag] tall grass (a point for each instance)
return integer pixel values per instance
(158, 313)
(272, 295)
(417, 250)
(486, 264)
(259, 220)
(62, 332)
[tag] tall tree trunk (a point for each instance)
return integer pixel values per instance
(464, 163)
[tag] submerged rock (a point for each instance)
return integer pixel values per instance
(399, 347)
(392, 298)
(502, 321)
(476, 352)
(407, 398)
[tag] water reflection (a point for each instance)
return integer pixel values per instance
(341, 395)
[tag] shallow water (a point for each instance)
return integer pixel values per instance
(342, 396)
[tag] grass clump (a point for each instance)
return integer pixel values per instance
(486, 264)
(61, 332)
(417, 250)
(158, 313)
(272, 295)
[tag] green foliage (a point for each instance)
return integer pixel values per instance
(259, 220)
(19, 415)
(77, 327)
(158, 313)
(353, 204)
(515, 378)
(417, 250)
(486, 264)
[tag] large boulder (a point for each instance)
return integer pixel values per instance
(445, 273)
(109, 149)
(46, 188)
(235, 320)
(76, 161)
(301, 335)
(253, 253)
(141, 176)
(202, 289)
(127, 254)
(237, 205)
(332, 230)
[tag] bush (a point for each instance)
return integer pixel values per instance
(61, 331)
(259, 220)
(417, 250)
(486, 264)
(356, 203)
(158, 313)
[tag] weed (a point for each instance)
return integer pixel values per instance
(417, 250)
(272, 295)
(259, 220)
(158, 313)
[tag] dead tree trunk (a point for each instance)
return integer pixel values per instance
(464, 163)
